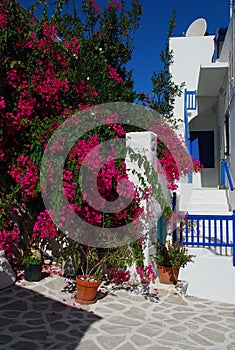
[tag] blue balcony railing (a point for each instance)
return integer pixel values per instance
(189, 105)
(226, 173)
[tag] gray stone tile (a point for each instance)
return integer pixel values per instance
(4, 339)
(113, 330)
(6, 322)
(158, 347)
(173, 337)
(214, 326)
(135, 312)
(125, 321)
(40, 316)
(150, 330)
(140, 340)
(214, 335)
(211, 317)
(25, 345)
(109, 342)
(200, 340)
(15, 305)
(115, 306)
(178, 329)
(128, 346)
(182, 315)
(88, 344)
(35, 335)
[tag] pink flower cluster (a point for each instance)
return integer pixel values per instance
(9, 239)
(2, 149)
(44, 226)
(96, 8)
(84, 90)
(87, 213)
(119, 276)
(114, 75)
(47, 84)
(26, 174)
(73, 46)
(3, 16)
(82, 148)
(69, 185)
(111, 181)
(147, 273)
(170, 168)
(109, 174)
(197, 165)
(2, 103)
(114, 5)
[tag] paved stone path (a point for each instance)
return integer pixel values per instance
(38, 315)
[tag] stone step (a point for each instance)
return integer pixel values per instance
(209, 213)
(208, 194)
(208, 201)
(208, 208)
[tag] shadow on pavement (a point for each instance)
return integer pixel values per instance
(29, 320)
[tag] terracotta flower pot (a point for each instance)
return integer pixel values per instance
(168, 275)
(86, 290)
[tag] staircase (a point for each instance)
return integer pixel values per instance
(208, 200)
(204, 200)
(212, 273)
(209, 210)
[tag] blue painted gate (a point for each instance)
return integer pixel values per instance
(209, 231)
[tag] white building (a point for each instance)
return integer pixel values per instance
(206, 64)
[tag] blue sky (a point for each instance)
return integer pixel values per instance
(150, 39)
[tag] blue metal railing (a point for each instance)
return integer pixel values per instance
(225, 172)
(189, 105)
(209, 231)
(190, 100)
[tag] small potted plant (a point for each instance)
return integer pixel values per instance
(89, 280)
(93, 264)
(32, 264)
(169, 258)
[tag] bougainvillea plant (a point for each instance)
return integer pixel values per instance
(51, 67)
(147, 274)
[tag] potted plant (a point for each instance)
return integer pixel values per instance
(32, 266)
(89, 280)
(169, 258)
(93, 264)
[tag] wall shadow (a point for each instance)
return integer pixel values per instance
(29, 320)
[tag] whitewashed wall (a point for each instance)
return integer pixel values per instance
(145, 144)
(188, 54)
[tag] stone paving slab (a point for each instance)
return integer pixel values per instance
(38, 315)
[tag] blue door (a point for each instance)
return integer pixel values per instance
(202, 147)
(194, 148)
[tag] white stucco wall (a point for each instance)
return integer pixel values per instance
(145, 144)
(227, 101)
(227, 47)
(188, 54)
